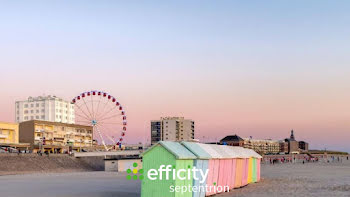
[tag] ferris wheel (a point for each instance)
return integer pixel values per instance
(104, 113)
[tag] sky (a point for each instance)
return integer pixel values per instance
(251, 68)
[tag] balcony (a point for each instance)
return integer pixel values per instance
(2, 136)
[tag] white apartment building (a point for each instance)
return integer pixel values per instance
(172, 129)
(47, 108)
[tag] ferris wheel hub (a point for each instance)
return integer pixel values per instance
(94, 122)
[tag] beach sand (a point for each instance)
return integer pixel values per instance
(309, 179)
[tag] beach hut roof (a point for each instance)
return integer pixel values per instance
(197, 150)
(252, 153)
(249, 153)
(225, 151)
(179, 151)
(238, 152)
(211, 150)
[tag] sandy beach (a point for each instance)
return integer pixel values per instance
(309, 179)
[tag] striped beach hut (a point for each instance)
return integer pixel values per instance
(202, 163)
(227, 165)
(166, 153)
(238, 156)
(254, 166)
(214, 165)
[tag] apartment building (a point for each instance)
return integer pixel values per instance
(288, 145)
(172, 129)
(55, 137)
(47, 108)
(260, 146)
(8, 133)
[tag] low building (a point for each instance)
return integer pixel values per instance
(260, 146)
(293, 145)
(232, 140)
(8, 133)
(289, 145)
(303, 146)
(54, 136)
(283, 146)
(9, 138)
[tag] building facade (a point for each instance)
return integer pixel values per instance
(283, 146)
(9, 133)
(172, 129)
(288, 145)
(54, 136)
(260, 146)
(46, 108)
(303, 146)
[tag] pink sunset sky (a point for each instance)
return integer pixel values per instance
(233, 69)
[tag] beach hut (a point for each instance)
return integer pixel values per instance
(238, 156)
(201, 163)
(254, 164)
(225, 165)
(166, 153)
(242, 167)
(214, 164)
(227, 171)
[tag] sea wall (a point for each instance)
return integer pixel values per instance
(33, 163)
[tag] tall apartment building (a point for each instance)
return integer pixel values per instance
(47, 108)
(54, 136)
(171, 129)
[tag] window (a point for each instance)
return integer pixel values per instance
(43, 117)
(32, 117)
(37, 111)
(42, 104)
(25, 111)
(36, 117)
(37, 105)
(26, 105)
(31, 111)
(43, 110)
(25, 117)
(31, 105)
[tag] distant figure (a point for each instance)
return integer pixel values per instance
(303, 162)
(347, 158)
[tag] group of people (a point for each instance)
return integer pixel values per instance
(302, 159)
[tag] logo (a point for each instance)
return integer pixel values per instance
(134, 173)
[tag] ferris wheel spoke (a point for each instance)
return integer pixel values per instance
(107, 113)
(92, 107)
(104, 106)
(110, 117)
(102, 140)
(110, 123)
(86, 116)
(98, 106)
(87, 108)
(101, 112)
